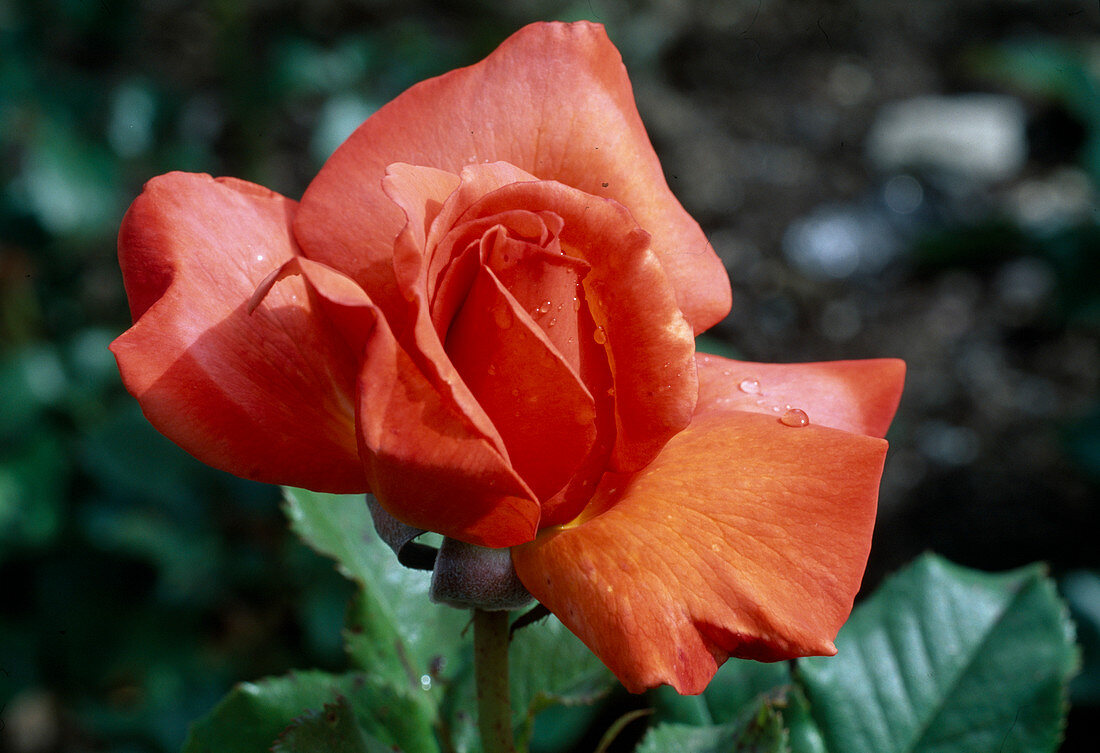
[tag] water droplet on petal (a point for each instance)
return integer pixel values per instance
(599, 336)
(545, 307)
(795, 417)
(576, 303)
(749, 386)
(552, 322)
(259, 257)
(492, 370)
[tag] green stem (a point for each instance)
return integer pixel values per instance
(494, 703)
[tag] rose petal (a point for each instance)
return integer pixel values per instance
(544, 282)
(420, 193)
(743, 538)
(649, 343)
(856, 396)
(555, 101)
(267, 395)
(544, 413)
(428, 465)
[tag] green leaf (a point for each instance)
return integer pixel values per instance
(739, 682)
(550, 667)
(1082, 592)
(253, 714)
(944, 659)
(802, 730)
(393, 630)
(333, 730)
(760, 729)
(673, 708)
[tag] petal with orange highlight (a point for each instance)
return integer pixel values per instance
(856, 396)
(555, 101)
(268, 395)
(743, 538)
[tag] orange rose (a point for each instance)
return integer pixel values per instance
(482, 313)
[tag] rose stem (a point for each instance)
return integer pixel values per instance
(494, 704)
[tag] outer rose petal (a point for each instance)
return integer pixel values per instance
(856, 396)
(267, 396)
(427, 465)
(553, 100)
(743, 538)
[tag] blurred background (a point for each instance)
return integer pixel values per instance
(881, 177)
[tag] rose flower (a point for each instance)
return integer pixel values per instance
(482, 313)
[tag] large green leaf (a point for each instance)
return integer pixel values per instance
(253, 714)
(393, 630)
(943, 659)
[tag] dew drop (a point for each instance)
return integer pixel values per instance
(552, 322)
(426, 682)
(492, 370)
(576, 303)
(259, 257)
(749, 386)
(599, 336)
(545, 307)
(795, 417)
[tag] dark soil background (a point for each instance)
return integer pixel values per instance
(822, 145)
